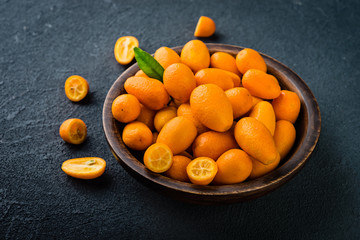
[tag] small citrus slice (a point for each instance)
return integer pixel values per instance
(158, 158)
(124, 49)
(202, 170)
(84, 168)
(205, 27)
(76, 88)
(73, 131)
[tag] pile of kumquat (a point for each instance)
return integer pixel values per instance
(206, 119)
(199, 118)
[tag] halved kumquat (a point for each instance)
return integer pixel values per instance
(73, 131)
(84, 168)
(205, 27)
(158, 158)
(202, 170)
(76, 88)
(124, 49)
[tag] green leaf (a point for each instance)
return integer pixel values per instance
(148, 64)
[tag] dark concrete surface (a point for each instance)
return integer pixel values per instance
(44, 42)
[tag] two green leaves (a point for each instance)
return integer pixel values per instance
(148, 64)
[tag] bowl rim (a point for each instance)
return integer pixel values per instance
(270, 181)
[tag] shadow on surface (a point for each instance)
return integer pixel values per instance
(217, 37)
(101, 183)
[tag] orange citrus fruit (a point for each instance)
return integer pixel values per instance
(215, 76)
(240, 99)
(185, 111)
(236, 78)
(195, 55)
(146, 116)
(148, 91)
(124, 49)
(250, 59)
(178, 134)
(287, 106)
(255, 139)
(166, 56)
(125, 108)
(284, 137)
(259, 169)
(211, 107)
(163, 116)
(158, 158)
(84, 168)
(155, 135)
(212, 144)
(140, 73)
(224, 61)
(205, 27)
(179, 81)
(76, 88)
(137, 136)
(202, 170)
(255, 100)
(234, 166)
(260, 84)
(177, 170)
(73, 131)
(264, 112)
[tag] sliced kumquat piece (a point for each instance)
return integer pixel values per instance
(84, 168)
(124, 49)
(205, 27)
(202, 170)
(76, 88)
(73, 131)
(158, 158)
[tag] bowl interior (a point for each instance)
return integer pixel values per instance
(307, 134)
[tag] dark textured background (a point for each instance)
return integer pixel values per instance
(44, 42)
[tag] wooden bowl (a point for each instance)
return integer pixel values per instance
(307, 131)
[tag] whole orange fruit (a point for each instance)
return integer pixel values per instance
(177, 170)
(195, 55)
(256, 140)
(259, 169)
(148, 91)
(211, 107)
(287, 106)
(261, 84)
(146, 116)
(215, 76)
(125, 108)
(264, 112)
(179, 81)
(137, 136)
(163, 116)
(166, 56)
(250, 59)
(212, 144)
(177, 134)
(234, 166)
(224, 61)
(284, 137)
(240, 99)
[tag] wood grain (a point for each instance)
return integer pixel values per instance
(307, 126)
